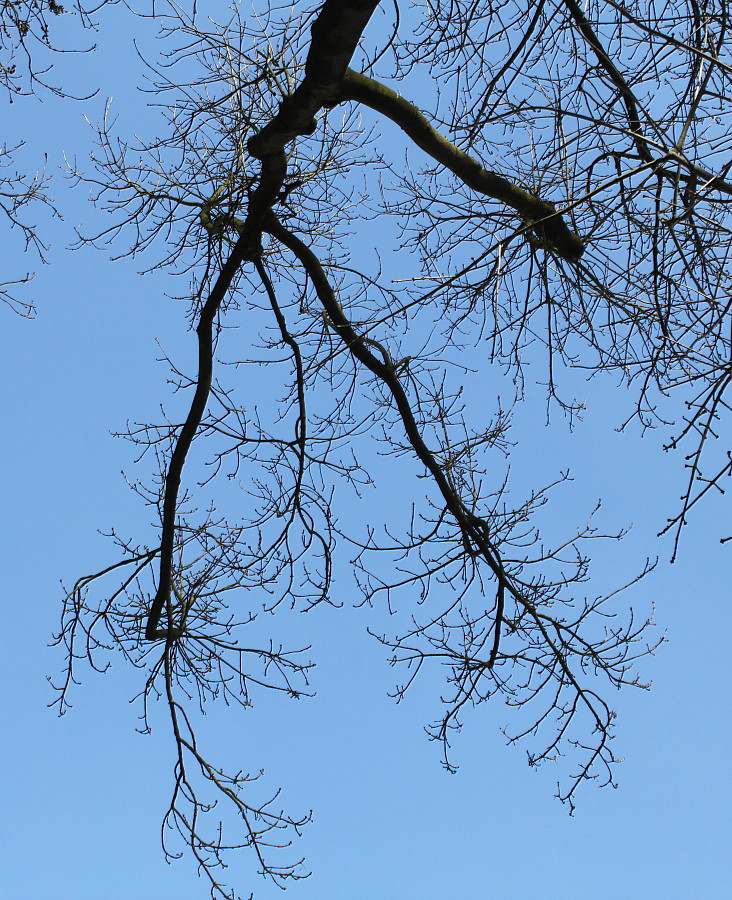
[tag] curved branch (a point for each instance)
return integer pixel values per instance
(471, 526)
(335, 35)
(474, 529)
(541, 215)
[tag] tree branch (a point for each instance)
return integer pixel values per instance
(335, 35)
(471, 526)
(541, 215)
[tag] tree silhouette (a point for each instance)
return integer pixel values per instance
(566, 191)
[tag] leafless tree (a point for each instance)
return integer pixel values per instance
(566, 193)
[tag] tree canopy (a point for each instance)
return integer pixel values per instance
(373, 212)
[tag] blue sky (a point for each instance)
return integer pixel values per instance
(84, 794)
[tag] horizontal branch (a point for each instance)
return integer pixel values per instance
(541, 215)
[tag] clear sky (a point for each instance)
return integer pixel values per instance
(83, 795)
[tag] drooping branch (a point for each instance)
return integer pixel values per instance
(555, 633)
(335, 35)
(246, 247)
(541, 215)
(386, 371)
(473, 529)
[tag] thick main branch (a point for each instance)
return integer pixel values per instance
(541, 215)
(335, 34)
